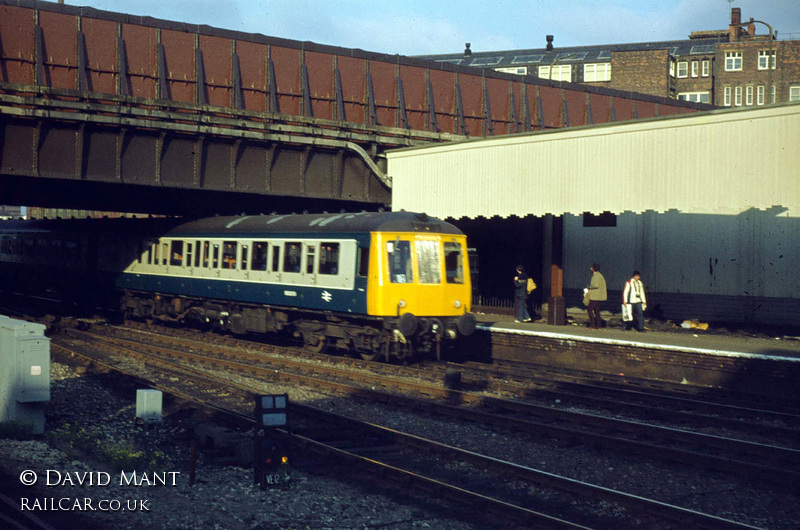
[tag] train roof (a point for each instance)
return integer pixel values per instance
(340, 223)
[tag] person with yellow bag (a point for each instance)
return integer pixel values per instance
(521, 291)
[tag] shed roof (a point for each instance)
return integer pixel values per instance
(717, 162)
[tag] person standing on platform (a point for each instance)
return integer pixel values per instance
(596, 292)
(633, 294)
(521, 295)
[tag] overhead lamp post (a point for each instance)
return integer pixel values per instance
(769, 55)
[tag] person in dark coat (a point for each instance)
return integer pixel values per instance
(521, 295)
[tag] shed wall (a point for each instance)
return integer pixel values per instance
(715, 267)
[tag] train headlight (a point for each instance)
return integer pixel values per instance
(401, 303)
(457, 304)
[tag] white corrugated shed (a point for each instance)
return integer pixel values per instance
(719, 162)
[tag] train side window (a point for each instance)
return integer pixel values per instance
(215, 257)
(245, 256)
(363, 261)
(400, 269)
(189, 253)
(276, 258)
(329, 258)
(453, 262)
(229, 254)
(176, 256)
(428, 264)
(259, 261)
(206, 250)
(291, 256)
(311, 251)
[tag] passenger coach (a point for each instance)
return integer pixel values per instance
(381, 284)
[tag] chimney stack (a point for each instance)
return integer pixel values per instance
(736, 19)
(549, 42)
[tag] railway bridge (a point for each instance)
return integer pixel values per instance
(108, 111)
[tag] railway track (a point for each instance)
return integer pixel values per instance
(454, 474)
(772, 463)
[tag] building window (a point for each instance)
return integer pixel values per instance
(727, 100)
(671, 67)
(695, 69)
(760, 95)
(733, 61)
(699, 97)
(520, 70)
(763, 57)
(683, 69)
(748, 98)
(706, 68)
(596, 72)
(737, 97)
(773, 93)
(557, 72)
(794, 93)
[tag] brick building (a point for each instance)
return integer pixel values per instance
(729, 67)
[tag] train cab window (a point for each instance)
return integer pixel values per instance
(259, 261)
(311, 251)
(329, 258)
(400, 268)
(229, 254)
(428, 261)
(291, 257)
(215, 257)
(245, 256)
(453, 262)
(176, 255)
(276, 258)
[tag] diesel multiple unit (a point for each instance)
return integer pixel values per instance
(387, 285)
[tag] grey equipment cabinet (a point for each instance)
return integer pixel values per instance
(24, 372)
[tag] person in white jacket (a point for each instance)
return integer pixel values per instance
(634, 295)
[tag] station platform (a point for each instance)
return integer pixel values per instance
(734, 361)
(733, 344)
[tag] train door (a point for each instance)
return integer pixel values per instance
(310, 262)
(244, 259)
(398, 293)
(275, 262)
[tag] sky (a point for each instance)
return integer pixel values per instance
(420, 27)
